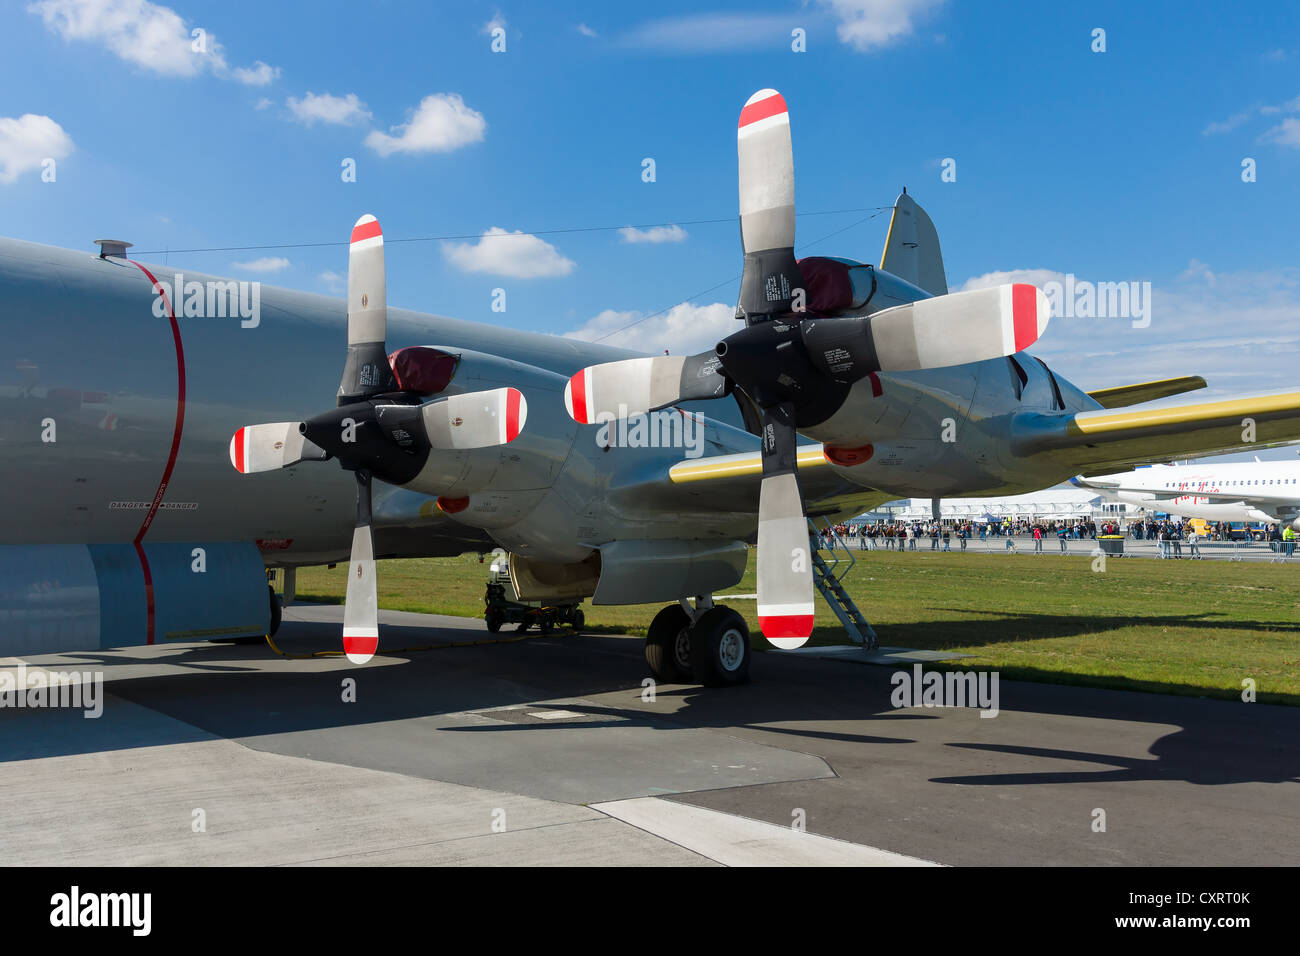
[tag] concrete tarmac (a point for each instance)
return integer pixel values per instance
(550, 751)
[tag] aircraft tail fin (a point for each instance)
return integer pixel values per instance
(912, 247)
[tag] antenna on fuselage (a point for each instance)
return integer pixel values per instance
(113, 247)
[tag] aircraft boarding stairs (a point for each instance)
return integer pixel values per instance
(828, 576)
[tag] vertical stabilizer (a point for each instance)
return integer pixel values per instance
(912, 248)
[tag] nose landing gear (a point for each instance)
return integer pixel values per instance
(706, 644)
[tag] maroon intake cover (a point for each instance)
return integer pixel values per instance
(422, 369)
(830, 289)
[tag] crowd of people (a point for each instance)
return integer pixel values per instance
(1170, 535)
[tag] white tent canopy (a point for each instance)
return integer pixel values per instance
(1051, 504)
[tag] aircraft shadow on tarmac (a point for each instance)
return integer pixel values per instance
(247, 692)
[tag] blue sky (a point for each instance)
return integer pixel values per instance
(1115, 166)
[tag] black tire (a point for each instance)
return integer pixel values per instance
(720, 648)
(275, 611)
(493, 621)
(274, 625)
(577, 620)
(666, 637)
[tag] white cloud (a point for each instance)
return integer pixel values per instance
(498, 22)
(868, 25)
(1240, 119)
(259, 74)
(154, 37)
(1038, 277)
(711, 32)
(334, 281)
(1290, 106)
(685, 329)
(587, 31)
(1240, 330)
(149, 35)
(27, 141)
(1197, 270)
(653, 234)
(1227, 126)
(327, 108)
(262, 104)
(1286, 133)
(265, 264)
(514, 254)
(441, 123)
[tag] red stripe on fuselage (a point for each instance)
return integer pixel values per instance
(171, 455)
(754, 112)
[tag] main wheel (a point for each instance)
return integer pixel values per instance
(577, 620)
(667, 645)
(720, 648)
(275, 611)
(493, 621)
(274, 625)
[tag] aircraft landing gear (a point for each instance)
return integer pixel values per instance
(668, 646)
(704, 643)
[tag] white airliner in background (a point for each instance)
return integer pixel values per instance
(1240, 491)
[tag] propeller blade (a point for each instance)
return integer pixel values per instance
(951, 329)
(268, 447)
(636, 386)
(361, 604)
(367, 371)
(475, 419)
(785, 583)
(766, 174)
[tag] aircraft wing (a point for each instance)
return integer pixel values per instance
(1113, 439)
(1121, 396)
(731, 483)
(1171, 500)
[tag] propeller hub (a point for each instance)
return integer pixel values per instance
(769, 362)
(385, 437)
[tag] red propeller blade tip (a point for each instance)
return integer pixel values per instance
(575, 396)
(1026, 315)
(367, 227)
(786, 631)
(760, 106)
(237, 451)
(513, 399)
(360, 645)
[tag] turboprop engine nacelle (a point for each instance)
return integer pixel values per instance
(531, 461)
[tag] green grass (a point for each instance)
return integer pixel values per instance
(1183, 627)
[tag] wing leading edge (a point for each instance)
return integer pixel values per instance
(1108, 438)
(731, 483)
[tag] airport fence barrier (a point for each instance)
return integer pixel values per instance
(1276, 552)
